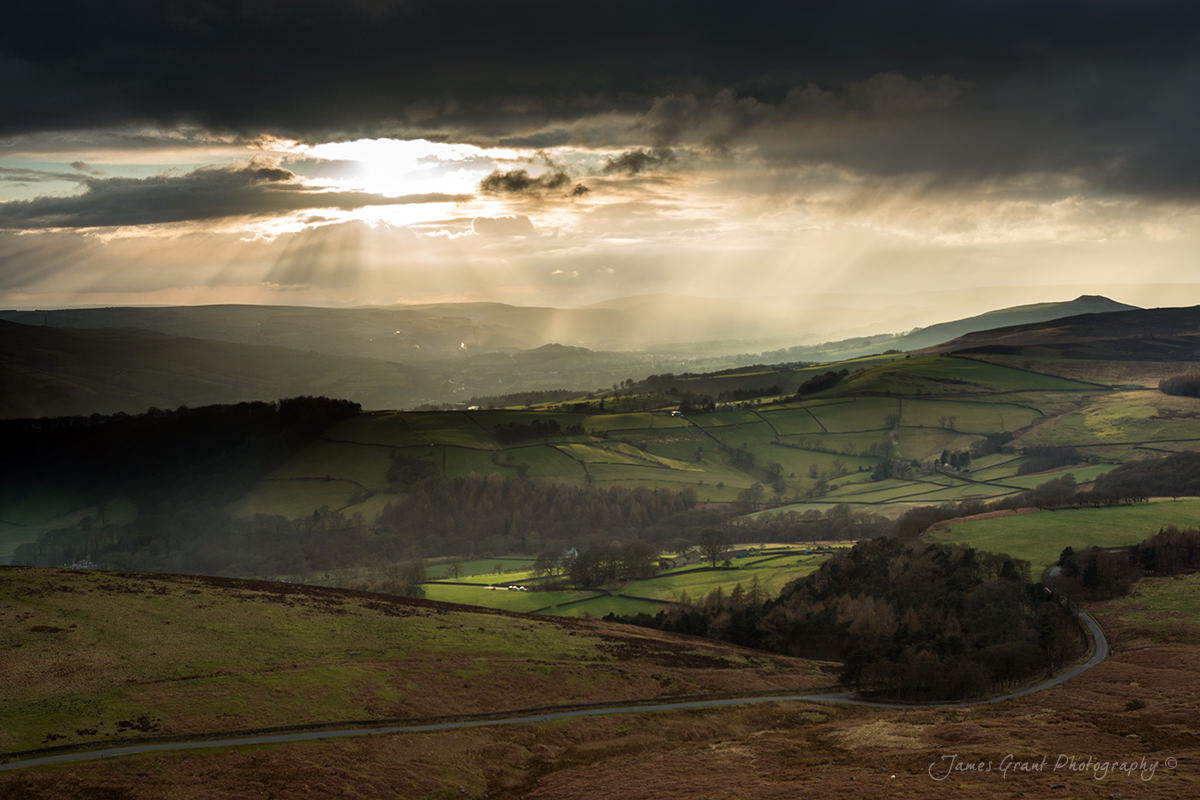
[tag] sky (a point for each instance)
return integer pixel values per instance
(564, 153)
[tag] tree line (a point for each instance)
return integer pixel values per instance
(473, 515)
(1100, 574)
(1186, 385)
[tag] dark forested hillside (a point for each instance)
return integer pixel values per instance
(474, 515)
(1171, 476)
(908, 619)
(1156, 334)
(470, 516)
(50, 372)
(208, 453)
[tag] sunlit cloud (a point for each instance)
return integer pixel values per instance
(250, 190)
(394, 167)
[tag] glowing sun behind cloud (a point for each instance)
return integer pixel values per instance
(395, 167)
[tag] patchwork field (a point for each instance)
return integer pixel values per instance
(480, 584)
(784, 453)
(814, 452)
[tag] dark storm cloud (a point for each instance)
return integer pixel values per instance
(631, 162)
(1102, 89)
(83, 166)
(204, 194)
(519, 181)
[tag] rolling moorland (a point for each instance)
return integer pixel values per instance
(793, 454)
(108, 360)
(96, 656)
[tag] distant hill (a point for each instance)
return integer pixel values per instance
(663, 325)
(103, 360)
(57, 372)
(429, 332)
(1156, 334)
(945, 331)
(1007, 317)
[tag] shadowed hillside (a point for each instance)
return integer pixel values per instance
(55, 372)
(1157, 334)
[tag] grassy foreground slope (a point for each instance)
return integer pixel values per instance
(1125, 728)
(91, 656)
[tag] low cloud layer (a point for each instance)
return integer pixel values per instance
(503, 226)
(25, 175)
(203, 194)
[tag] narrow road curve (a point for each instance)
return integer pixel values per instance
(1100, 652)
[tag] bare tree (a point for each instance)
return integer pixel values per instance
(713, 542)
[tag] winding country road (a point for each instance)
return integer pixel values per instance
(1100, 652)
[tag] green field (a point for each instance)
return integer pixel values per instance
(410, 429)
(506, 577)
(998, 467)
(646, 421)
(678, 444)
(773, 570)
(926, 444)
(294, 498)
(861, 414)
(868, 444)
(1135, 417)
(880, 491)
(481, 567)
(725, 419)
(793, 420)
(1081, 474)
(972, 417)
(366, 466)
(772, 576)
(1040, 537)
(503, 599)
(602, 606)
(965, 491)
